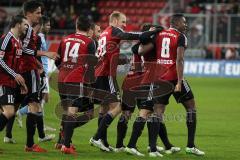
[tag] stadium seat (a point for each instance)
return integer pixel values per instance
(101, 4)
(130, 4)
(148, 11)
(102, 11)
(131, 9)
(122, 4)
(148, 19)
(104, 18)
(145, 4)
(137, 4)
(140, 12)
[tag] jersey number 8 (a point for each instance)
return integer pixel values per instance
(101, 51)
(165, 48)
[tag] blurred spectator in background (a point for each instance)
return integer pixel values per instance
(223, 52)
(222, 24)
(231, 54)
(195, 8)
(208, 53)
(3, 17)
(196, 37)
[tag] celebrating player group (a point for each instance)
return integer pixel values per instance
(87, 62)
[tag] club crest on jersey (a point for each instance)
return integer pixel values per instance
(18, 53)
(2, 54)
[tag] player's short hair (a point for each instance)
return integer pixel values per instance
(92, 27)
(31, 6)
(146, 27)
(16, 20)
(83, 23)
(175, 18)
(115, 15)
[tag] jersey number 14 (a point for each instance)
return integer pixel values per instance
(71, 52)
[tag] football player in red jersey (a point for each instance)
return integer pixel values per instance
(129, 97)
(170, 47)
(11, 80)
(72, 50)
(88, 113)
(147, 111)
(29, 66)
(105, 71)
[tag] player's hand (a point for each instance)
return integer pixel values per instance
(24, 89)
(152, 28)
(178, 87)
(39, 65)
(20, 80)
(40, 71)
(53, 55)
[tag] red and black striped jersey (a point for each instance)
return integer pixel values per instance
(72, 51)
(10, 58)
(109, 49)
(29, 61)
(167, 42)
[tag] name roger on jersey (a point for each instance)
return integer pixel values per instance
(164, 61)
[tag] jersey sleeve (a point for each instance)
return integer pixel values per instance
(59, 60)
(182, 41)
(4, 44)
(26, 49)
(117, 32)
(92, 48)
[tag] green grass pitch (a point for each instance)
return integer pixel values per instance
(218, 129)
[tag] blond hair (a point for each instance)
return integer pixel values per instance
(115, 15)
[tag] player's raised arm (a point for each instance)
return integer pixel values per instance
(51, 55)
(147, 41)
(117, 32)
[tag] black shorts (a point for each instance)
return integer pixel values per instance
(129, 101)
(9, 95)
(106, 90)
(76, 95)
(180, 97)
(32, 81)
